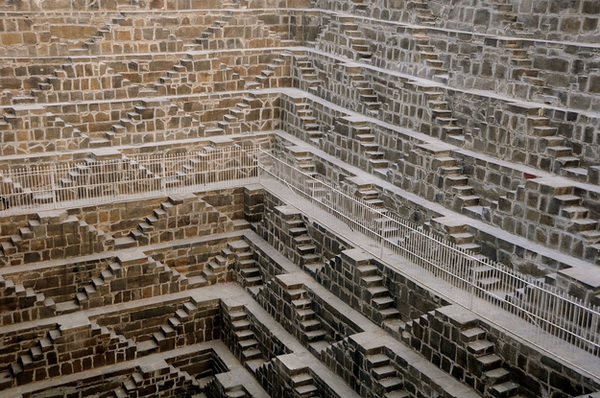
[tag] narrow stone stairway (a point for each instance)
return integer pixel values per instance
(358, 43)
(387, 379)
(428, 55)
(456, 231)
(366, 95)
(312, 334)
(307, 74)
(423, 15)
(449, 129)
(378, 297)
(246, 266)
(247, 341)
(308, 123)
(166, 338)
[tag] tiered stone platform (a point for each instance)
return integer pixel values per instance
(134, 273)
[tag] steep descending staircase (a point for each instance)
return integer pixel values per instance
(153, 228)
(145, 120)
(302, 244)
(21, 248)
(97, 76)
(303, 383)
(568, 212)
(377, 296)
(18, 302)
(423, 15)
(232, 122)
(447, 127)
(456, 231)
(428, 55)
(210, 32)
(311, 332)
(263, 79)
(454, 183)
(100, 35)
(358, 43)
(307, 121)
(170, 334)
(373, 158)
(366, 95)
(388, 382)
(248, 269)
(507, 16)
(309, 79)
(247, 342)
(558, 155)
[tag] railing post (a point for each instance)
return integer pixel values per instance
(53, 185)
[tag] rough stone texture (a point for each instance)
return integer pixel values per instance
(476, 121)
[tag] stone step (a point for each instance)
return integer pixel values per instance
(391, 383)
(314, 335)
(487, 362)
(504, 390)
(480, 347)
(496, 376)
(383, 372)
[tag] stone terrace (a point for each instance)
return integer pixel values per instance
(136, 272)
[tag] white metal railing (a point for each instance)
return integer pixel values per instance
(91, 181)
(554, 311)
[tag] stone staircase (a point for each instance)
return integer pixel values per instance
(129, 386)
(366, 95)
(216, 270)
(302, 243)
(378, 376)
(43, 354)
(483, 369)
(308, 123)
(33, 129)
(170, 334)
(358, 43)
(149, 117)
(97, 173)
(144, 383)
(372, 157)
(246, 340)
(557, 156)
(92, 294)
(422, 13)
(565, 212)
(523, 70)
(446, 127)
(157, 227)
(232, 122)
(507, 16)
(249, 274)
(99, 36)
(18, 302)
(454, 183)
(303, 383)
(309, 80)
(457, 232)
(13, 193)
(309, 329)
(380, 305)
(93, 76)
(428, 55)
(387, 380)
(263, 79)
(212, 31)
(23, 247)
